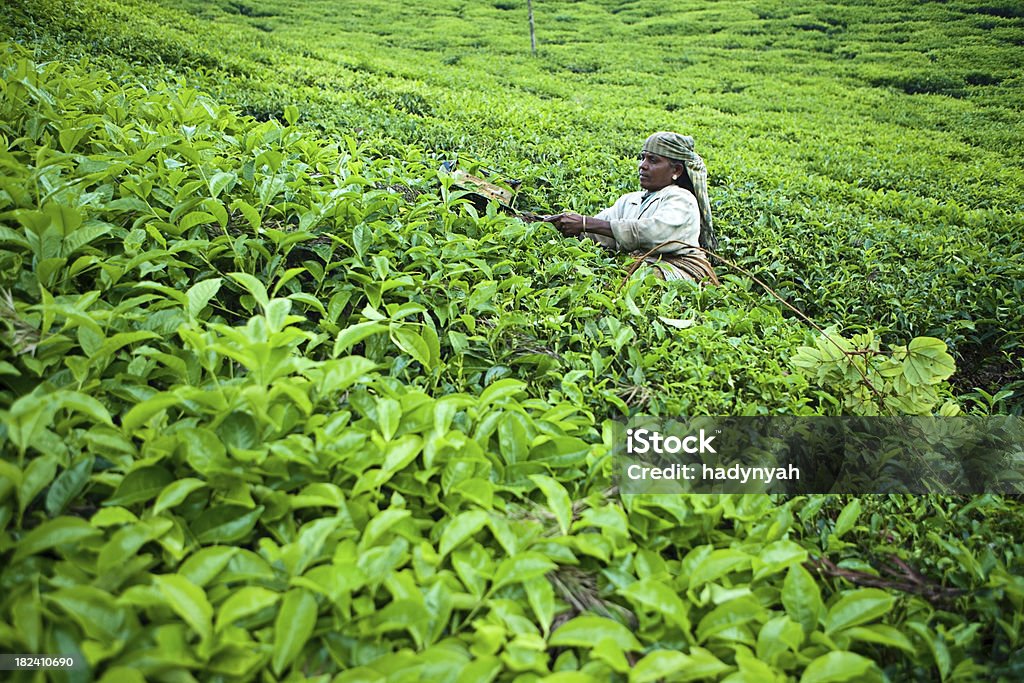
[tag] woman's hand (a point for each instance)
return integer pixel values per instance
(574, 225)
(569, 224)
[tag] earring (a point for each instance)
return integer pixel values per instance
(675, 177)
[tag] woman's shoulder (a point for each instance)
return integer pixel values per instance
(675, 198)
(676, 192)
(631, 197)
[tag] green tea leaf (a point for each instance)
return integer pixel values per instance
(716, 565)
(881, 634)
(127, 541)
(142, 412)
(857, 607)
(318, 495)
(514, 437)
(461, 528)
(94, 611)
(188, 601)
(802, 598)
(728, 616)
(352, 335)
(655, 595)
(82, 236)
(835, 667)
(252, 216)
(522, 567)
(336, 376)
(401, 452)
(253, 286)
(68, 486)
(312, 302)
(698, 665)
(26, 612)
(196, 218)
(777, 556)
(541, 597)
(221, 181)
(244, 602)
(380, 524)
(140, 485)
(239, 430)
(362, 239)
(199, 295)
(848, 517)
(389, 416)
(9, 236)
(679, 324)
(411, 343)
(176, 492)
(85, 403)
(204, 565)
(70, 137)
(504, 534)
(277, 313)
(62, 531)
(587, 630)
(32, 414)
(501, 390)
(225, 523)
(558, 500)
(66, 219)
(778, 636)
(293, 627)
(37, 476)
(936, 644)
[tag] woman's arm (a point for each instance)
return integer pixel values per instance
(674, 218)
(571, 224)
(574, 225)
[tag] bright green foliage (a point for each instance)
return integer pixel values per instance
(277, 402)
(904, 383)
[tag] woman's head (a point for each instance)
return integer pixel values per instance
(656, 171)
(661, 161)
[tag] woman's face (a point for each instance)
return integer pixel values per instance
(655, 171)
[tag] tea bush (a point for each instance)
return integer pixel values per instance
(278, 402)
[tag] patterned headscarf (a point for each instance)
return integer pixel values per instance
(679, 148)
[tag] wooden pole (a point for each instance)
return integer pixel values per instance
(533, 39)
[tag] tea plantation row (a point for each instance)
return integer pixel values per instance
(277, 402)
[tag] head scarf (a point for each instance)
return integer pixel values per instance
(679, 148)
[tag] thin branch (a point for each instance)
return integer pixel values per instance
(907, 579)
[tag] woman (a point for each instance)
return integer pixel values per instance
(671, 212)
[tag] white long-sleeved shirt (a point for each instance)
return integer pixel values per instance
(641, 221)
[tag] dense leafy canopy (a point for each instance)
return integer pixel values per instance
(278, 401)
